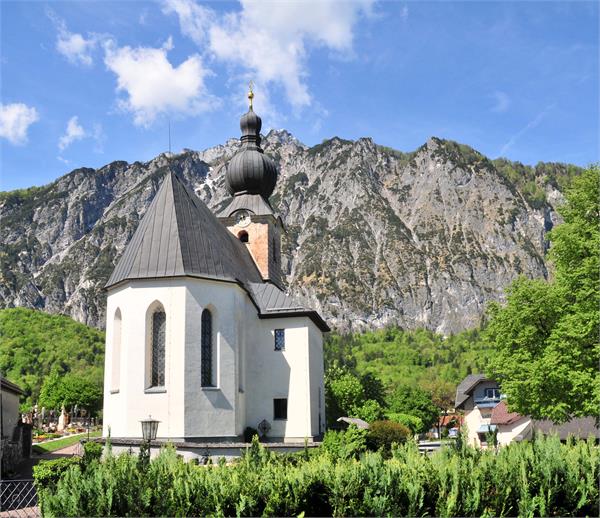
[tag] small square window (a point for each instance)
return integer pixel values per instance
(280, 339)
(280, 408)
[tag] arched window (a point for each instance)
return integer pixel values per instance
(116, 351)
(206, 359)
(158, 334)
(243, 236)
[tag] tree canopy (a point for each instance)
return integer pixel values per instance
(546, 335)
(70, 390)
(34, 343)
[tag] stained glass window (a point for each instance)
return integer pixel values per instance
(159, 321)
(206, 352)
(280, 339)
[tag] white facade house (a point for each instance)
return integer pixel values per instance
(477, 396)
(200, 333)
(487, 416)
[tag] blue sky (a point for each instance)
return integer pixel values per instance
(86, 83)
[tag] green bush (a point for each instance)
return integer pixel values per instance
(345, 444)
(48, 472)
(541, 477)
(413, 423)
(383, 434)
(92, 451)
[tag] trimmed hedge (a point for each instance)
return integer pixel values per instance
(541, 477)
(384, 434)
(48, 472)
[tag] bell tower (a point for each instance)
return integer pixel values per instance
(250, 178)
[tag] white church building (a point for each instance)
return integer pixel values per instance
(200, 333)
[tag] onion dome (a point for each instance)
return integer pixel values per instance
(250, 171)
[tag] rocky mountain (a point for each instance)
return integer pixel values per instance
(374, 236)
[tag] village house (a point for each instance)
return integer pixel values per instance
(486, 417)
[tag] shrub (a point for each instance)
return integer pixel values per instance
(92, 451)
(382, 434)
(413, 423)
(48, 472)
(541, 477)
(369, 411)
(345, 444)
(249, 433)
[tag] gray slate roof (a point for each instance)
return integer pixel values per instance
(255, 203)
(463, 391)
(581, 427)
(179, 235)
(273, 302)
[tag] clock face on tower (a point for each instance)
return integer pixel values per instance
(242, 218)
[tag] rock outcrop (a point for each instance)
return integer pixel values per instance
(375, 237)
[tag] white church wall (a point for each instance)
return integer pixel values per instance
(211, 411)
(123, 409)
(317, 388)
(279, 374)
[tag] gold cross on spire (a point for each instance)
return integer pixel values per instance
(250, 92)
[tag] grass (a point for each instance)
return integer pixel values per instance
(63, 443)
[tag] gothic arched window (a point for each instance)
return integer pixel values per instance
(116, 351)
(158, 324)
(206, 345)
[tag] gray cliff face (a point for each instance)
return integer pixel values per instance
(374, 237)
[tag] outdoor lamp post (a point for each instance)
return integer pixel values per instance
(149, 429)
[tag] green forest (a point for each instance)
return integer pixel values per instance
(34, 345)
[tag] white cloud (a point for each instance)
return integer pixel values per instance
(153, 86)
(404, 13)
(501, 101)
(75, 47)
(15, 120)
(272, 39)
(73, 132)
(194, 19)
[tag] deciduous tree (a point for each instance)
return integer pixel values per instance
(546, 335)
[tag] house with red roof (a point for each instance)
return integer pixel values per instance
(487, 417)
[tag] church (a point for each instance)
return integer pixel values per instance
(200, 333)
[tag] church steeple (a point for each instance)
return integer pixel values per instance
(250, 171)
(250, 178)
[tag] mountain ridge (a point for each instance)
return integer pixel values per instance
(375, 236)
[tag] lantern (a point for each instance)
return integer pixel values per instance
(149, 428)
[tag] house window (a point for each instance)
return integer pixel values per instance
(274, 250)
(116, 352)
(280, 408)
(243, 236)
(159, 321)
(492, 393)
(280, 339)
(206, 359)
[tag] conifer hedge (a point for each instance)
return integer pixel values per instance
(541, 477)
